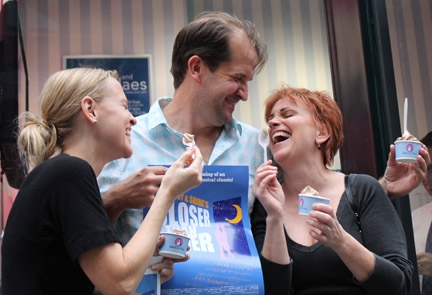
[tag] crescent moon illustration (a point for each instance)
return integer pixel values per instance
(238, 216)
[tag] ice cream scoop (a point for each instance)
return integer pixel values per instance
(307, 197)
(310, 191)
(188, 139)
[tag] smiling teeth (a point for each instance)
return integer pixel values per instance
(280, 136)
(128, 133)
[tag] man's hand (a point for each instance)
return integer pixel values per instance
(424, 263)
(401, 178)
(136, 191)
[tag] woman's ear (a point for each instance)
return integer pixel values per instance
(88, 109)
(322, 136)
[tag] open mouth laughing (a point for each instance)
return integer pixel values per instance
(280, 136)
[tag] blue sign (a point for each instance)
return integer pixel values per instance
(134, 72)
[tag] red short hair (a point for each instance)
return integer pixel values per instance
(325, 112)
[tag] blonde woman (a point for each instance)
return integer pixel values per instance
(59, 238)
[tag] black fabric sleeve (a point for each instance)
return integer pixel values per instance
(382, 234)
(277, 277)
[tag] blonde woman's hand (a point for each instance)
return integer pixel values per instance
(166, 266)
(185, 173)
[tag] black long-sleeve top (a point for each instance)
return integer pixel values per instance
(368, 215)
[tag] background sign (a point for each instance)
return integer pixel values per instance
(134, 72)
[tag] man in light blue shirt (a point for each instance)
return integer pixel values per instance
(214, 58)
(154, 142)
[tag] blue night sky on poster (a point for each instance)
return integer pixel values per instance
(134, 72)
(226, 209)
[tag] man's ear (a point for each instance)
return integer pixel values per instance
(88, 109)
(195, 67)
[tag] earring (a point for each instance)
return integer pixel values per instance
(95, 121)
(319, 146)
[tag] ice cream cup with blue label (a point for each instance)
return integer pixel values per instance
(175, 244)
(307, 197)
(407, 150)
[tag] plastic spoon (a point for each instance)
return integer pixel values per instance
(405, 118)
(264, 140)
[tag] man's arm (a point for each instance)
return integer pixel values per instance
(136, 191)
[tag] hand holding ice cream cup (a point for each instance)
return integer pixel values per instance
(307, 197)
(407, 147)
(175, 245)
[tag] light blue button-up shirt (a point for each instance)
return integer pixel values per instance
(155, 143)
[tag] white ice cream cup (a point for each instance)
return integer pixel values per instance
(306, 202)
(174, 246)
(407, 150)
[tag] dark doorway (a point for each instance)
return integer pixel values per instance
(365, 90)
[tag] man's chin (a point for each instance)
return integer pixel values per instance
(227, 120)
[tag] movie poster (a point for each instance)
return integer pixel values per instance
(224, 259)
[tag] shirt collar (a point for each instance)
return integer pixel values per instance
(158, 117)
